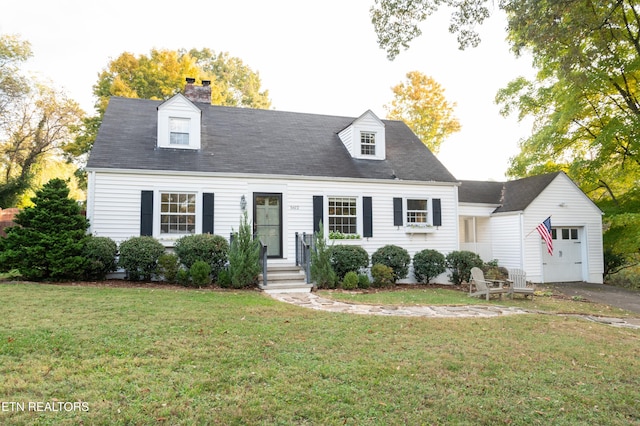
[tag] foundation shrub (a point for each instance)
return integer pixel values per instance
(460, 264)
(200, 273)
(347, 258)
(395, 257)
(350, 281)
(382, 276)
(168, 267)
(209, 248)
(100, 253)
(428, 264)
(139, 257)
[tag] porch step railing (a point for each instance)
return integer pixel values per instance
(304, 245)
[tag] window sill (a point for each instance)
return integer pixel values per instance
(346, 241)
(419, 229)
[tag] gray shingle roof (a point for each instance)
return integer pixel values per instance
(510, 196)
(242, 140)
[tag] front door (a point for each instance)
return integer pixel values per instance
(267, 221)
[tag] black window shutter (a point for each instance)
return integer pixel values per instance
(397, 212)
(437, 212)
(367, 217)
(146, 213)
(318, 211)
(207, 213)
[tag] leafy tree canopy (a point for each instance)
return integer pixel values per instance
(421, 104)
(583, 100)
(162, 73)
(36, 123)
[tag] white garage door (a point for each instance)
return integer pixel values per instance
(565, 264)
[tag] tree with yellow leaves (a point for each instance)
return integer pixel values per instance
(420, 103)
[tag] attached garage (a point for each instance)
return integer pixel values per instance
(514, 209)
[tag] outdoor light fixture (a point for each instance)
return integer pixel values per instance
(243, 203)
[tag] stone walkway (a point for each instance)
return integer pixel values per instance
(313, 301)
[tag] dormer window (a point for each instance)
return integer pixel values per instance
(179, 131)
(179, 123)
(364, 138)
(367, 143)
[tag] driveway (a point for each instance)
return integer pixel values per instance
(602, 293)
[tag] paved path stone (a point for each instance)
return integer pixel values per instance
(313, 301)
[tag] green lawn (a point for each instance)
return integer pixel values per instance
(545, 300)
(156, 356)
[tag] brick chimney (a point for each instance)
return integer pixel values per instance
(198, 93)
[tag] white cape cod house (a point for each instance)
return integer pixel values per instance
(184, 166)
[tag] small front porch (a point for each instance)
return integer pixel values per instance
(475, 236)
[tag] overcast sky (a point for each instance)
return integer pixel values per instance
(312, 57)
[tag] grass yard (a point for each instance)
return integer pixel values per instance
(545, 300)
(140, 356)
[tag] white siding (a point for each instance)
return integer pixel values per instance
(115, 210)
(506, 240)
(568, 207)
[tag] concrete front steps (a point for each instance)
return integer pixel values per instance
(285, 279)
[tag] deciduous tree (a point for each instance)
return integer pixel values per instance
(420, 103)
(161, 74)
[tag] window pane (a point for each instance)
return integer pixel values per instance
(343, 215)
(574, 234)
(565, 234)
(367, 143)
(177, 213)
(417, 211)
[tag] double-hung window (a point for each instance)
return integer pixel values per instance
(367, 143)
(179, 131)
(343, 216)
(417, 212)
(177, 213)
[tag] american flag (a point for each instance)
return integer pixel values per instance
(544, 229)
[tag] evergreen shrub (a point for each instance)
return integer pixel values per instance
(382, 276)
(395, 257)
(460, 264)
(428, 264)
(244, 256)
(49, 241)
(363, 281)
(350, 281)
(346, 258)
(209, 248)
(200, 273)
(322, 272)
(100, 253)
(168, 267)
(139, 257)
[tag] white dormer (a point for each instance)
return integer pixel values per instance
(179, 124)
(365, 137)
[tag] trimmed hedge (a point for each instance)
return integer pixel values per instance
(139, 257)
(212, 249)
(428, 264)
(346, 258)
(101, 255)
(395, 257)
